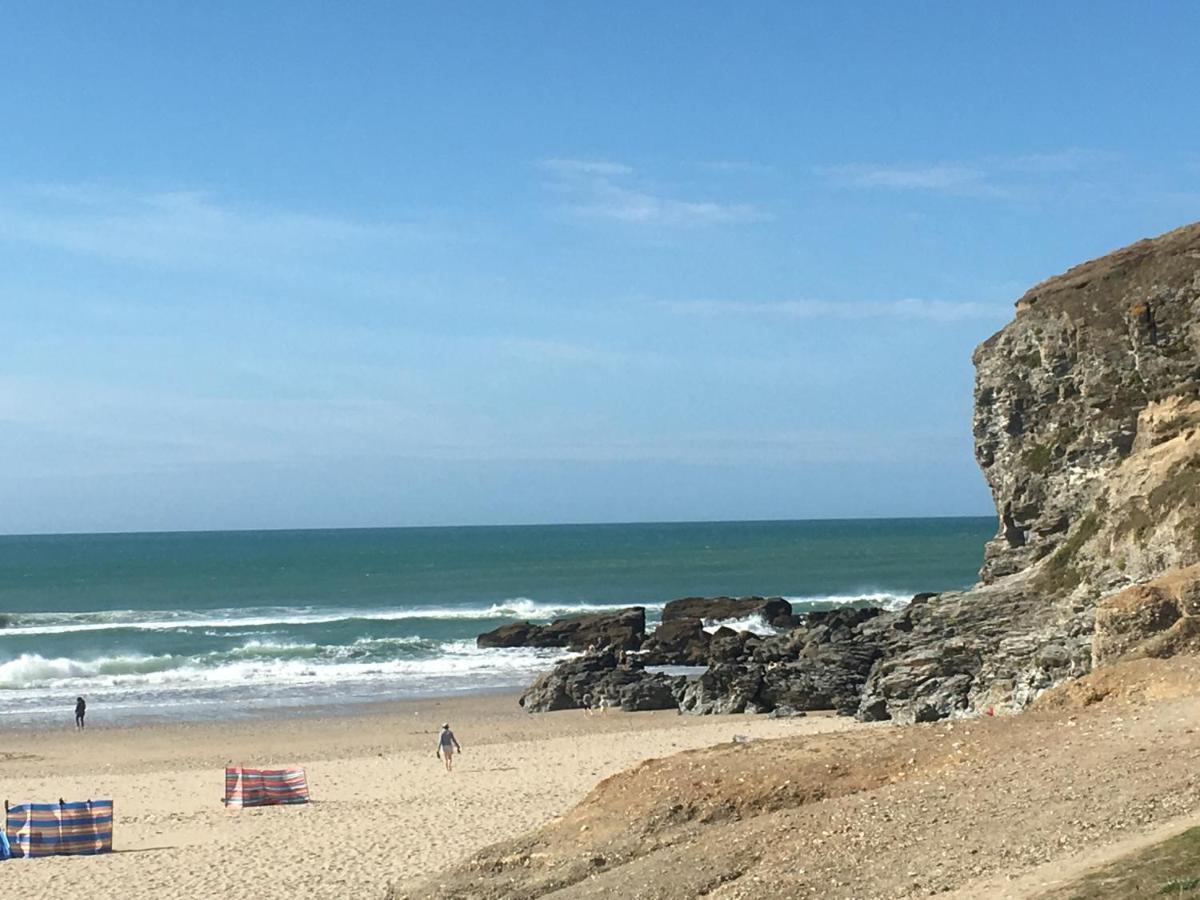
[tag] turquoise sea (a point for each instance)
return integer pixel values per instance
(200, 624)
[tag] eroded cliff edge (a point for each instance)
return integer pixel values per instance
(1086, 427)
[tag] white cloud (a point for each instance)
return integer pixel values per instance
(940, 177)
(609, 190)
(993, 176)
(598, 167)
(907, 308)
(609, 201)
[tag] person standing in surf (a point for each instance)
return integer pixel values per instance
(447, 746)
(80, 711)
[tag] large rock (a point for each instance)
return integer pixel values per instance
(1061, 398)
(621, 630)
(681, 642)
(584, 681)
(724, 688)
(716, 609)
(1087, 428)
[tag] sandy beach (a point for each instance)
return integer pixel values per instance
(382, 810)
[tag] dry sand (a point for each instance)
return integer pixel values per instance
(382, 810)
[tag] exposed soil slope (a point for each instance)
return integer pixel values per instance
(884, 811)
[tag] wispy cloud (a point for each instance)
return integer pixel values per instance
(600, 189)
(939, 177)
(995, 176)
(907, 308)
(179, 228)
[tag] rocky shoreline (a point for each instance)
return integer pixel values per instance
(816, 661)
(1087, 429)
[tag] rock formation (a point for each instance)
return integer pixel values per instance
(584, 681)
(1086, 418)
(620, 630)
(772, 610)
(821, 664)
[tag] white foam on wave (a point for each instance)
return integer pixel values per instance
(32, 670)
(458, 659)
(261, 617)
(755, 624)
(887, 599)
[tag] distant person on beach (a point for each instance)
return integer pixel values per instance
(80, 711)
(447, 746)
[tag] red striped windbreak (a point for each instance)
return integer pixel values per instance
(50, 829)
(264, 787)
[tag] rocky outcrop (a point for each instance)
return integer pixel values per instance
(586, 681)
(680, 642)
(724, 609)
(621, 630)
(1086, 428)
(823, 664)
(1064, 397)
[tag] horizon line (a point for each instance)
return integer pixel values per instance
(612, 523)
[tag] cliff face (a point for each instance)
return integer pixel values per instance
(1087, 428)
(1100, 364)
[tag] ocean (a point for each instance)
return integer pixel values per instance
(195, 625)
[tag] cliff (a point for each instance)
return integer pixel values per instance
(1086, 418)
(1098, 369)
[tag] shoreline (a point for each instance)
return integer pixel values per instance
(137, 719)
(383, 809)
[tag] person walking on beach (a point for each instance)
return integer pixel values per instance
(447, 746)
(80, 711)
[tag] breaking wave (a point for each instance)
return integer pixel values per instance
(266, 617)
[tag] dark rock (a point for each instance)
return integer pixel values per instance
(844, 617)
(723, 688)
(681, 642)
(729, 646)
(586, 680)
(622, 630)
(518, 634)
(715, 609)
(650, 692)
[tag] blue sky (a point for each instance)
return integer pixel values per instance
(276, 265)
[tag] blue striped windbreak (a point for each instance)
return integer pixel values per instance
(50, 829)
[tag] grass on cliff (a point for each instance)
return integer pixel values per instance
(1169, 869)
(1059, 574)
